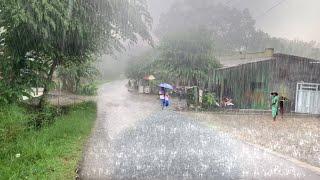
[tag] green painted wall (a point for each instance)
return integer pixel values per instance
(247, 85)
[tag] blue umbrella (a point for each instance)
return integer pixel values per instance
(165, 85)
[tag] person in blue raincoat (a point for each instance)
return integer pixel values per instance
(167, 99)
(162, 93)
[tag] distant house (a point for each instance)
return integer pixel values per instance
(249, 78)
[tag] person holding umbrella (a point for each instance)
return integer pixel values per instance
(166, 99)
(164, 94)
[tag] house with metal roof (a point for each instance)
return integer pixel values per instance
(249, 78)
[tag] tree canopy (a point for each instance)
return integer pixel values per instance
(229, 27)
(185, 58)
(56, 32)
(232, 29)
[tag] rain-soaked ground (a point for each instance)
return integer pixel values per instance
(134, 139)
(296, 136)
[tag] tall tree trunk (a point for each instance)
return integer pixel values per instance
(210, 80)
(46, 86)
(77, 84)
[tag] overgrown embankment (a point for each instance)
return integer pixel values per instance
(50, 151)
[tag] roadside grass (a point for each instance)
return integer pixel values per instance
(100, 82)
(53, 152)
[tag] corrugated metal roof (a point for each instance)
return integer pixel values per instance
(226, 63)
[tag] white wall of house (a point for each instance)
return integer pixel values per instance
(36, 92)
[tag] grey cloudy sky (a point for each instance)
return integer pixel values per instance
(292, 19)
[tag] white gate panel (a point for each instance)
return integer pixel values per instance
(316, 103)
(308, 98)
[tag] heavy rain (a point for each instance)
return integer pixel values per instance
(159, 89)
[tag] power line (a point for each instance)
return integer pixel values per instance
(270, 9)
(228, 2)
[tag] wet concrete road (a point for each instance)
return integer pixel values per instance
(134, 139)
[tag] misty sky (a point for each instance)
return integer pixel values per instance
(292, 19)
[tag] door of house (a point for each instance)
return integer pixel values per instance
(308, 98)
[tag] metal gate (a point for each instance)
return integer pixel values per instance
(308, 98)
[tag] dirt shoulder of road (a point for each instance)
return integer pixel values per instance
(296, 137)
(66, 98)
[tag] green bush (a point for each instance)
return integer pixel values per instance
(44, 117)
(88, 89)
(11, 94)
(208, 100)
(192, 96)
